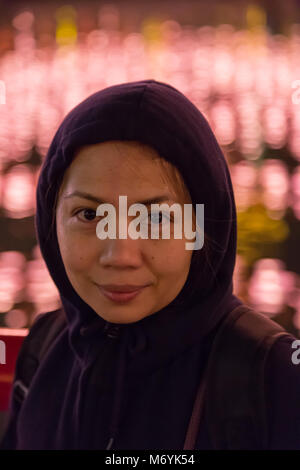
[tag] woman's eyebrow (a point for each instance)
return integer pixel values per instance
(146, 202)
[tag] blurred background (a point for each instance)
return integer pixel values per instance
(239, 63)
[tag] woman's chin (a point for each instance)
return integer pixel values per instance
(115, 316)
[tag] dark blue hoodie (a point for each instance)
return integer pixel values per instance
(133, 386)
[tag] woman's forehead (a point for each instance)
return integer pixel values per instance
(124, 166)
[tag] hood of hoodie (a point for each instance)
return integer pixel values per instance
(158, 115)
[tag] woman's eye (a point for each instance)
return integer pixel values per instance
(88, 214)
(157, 217)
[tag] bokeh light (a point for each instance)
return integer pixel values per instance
(244, 78)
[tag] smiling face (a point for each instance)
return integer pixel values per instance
(106, 171)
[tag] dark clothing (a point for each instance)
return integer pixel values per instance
(154, 405)
(135, 384)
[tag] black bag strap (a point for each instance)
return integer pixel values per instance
(34, 347)
(233, 382)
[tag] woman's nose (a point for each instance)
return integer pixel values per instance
(120, 253)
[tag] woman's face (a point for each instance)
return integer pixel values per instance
(106, 171)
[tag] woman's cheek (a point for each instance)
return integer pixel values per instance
(77, 264)
(77, 251)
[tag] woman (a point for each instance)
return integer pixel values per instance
(141, 314)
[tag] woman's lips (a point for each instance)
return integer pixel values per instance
(117, 296)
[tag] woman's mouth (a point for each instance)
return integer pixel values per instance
(120, 293)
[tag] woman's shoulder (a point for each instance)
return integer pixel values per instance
(46, 319)
(43, 330)
(282, 392)
(283, 361)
